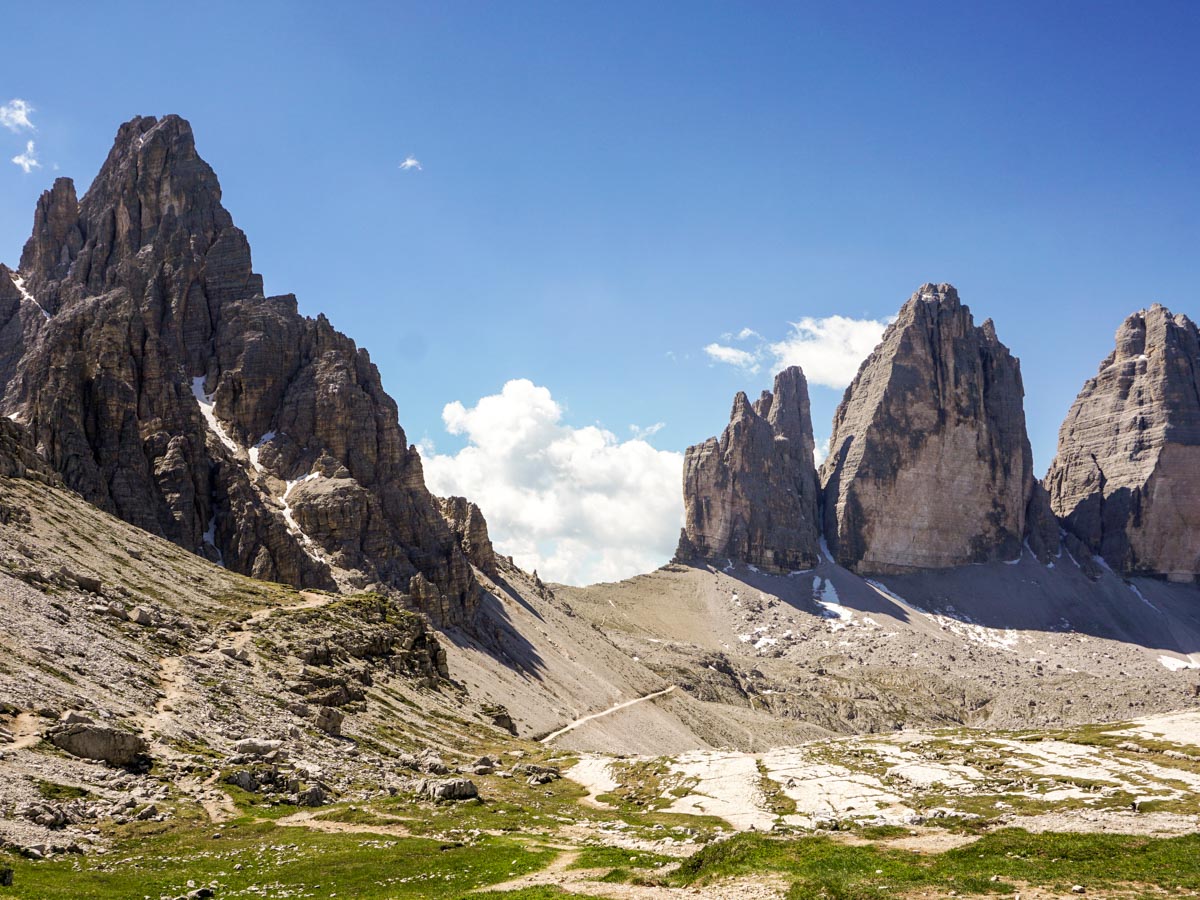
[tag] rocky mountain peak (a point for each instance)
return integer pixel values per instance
(750, 495)
(929, 463)
(165, 388)
(1126, 477)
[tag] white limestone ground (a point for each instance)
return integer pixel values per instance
(1080, 784)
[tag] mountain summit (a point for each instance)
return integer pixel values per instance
(929, 465)
(153, 374)
(1126, 478)
(751, 495)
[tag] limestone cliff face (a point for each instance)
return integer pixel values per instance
(1126, 478)
(140, 352)
(466, 521)
(929, 463)
(751, 495)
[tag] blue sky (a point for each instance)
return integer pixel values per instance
(604, 190)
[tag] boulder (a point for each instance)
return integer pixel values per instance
(257, 746)
(446, 789)
(100, 742)
(329, 720)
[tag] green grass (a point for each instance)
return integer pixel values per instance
(51, 791)
(533, 893)
(619, 857)
(283, 860)
(822, 867)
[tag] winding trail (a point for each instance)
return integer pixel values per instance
(26, 732)
(606, 712)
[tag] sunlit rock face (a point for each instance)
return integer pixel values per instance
(929, 464)
(1126, 478)
(153, 374)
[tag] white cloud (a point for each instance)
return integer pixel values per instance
(411, 162)
(641, 433)
(829, 350)
(821, 449)
(28, 160)
(743, 359)
(14, 115)
(577, 504)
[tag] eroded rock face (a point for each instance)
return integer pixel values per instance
(466, 521)
(929, 463)
(751, 496)
(1126, 478)
(164, 387)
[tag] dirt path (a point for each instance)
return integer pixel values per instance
(169, 668)
(607, 712)
(583, 881)
(217, 804)
(310, 820)
(312, 600)
(555, 873)
(25, 731)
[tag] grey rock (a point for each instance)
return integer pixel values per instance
(257, 746)
(751, 496)
(1126, 477)
(446, 789)
(100, 742)
(329, 720)
(929, 463)
(148, 273)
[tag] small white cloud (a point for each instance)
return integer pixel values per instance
(14, 115)
(733, 356)
(28, 160)
(830, 350)
(577, 504)
(411, 162)
(821, 449)
(640, 434)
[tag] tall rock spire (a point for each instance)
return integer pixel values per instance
(1126, 478)
(167, 389)
(751, 496)
(929, 463)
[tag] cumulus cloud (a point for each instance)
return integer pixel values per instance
(14, 115)
(411, 162)
(577, 504)
(829, 349)
(750, 360)
(28, 160)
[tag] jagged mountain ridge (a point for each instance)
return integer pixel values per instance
(155, 376)
(751, 495)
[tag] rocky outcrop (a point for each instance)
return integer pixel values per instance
(751, 496)
(469, 526)
(164, 387)
(100, 742)
(929, 463)
(1126, 478)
